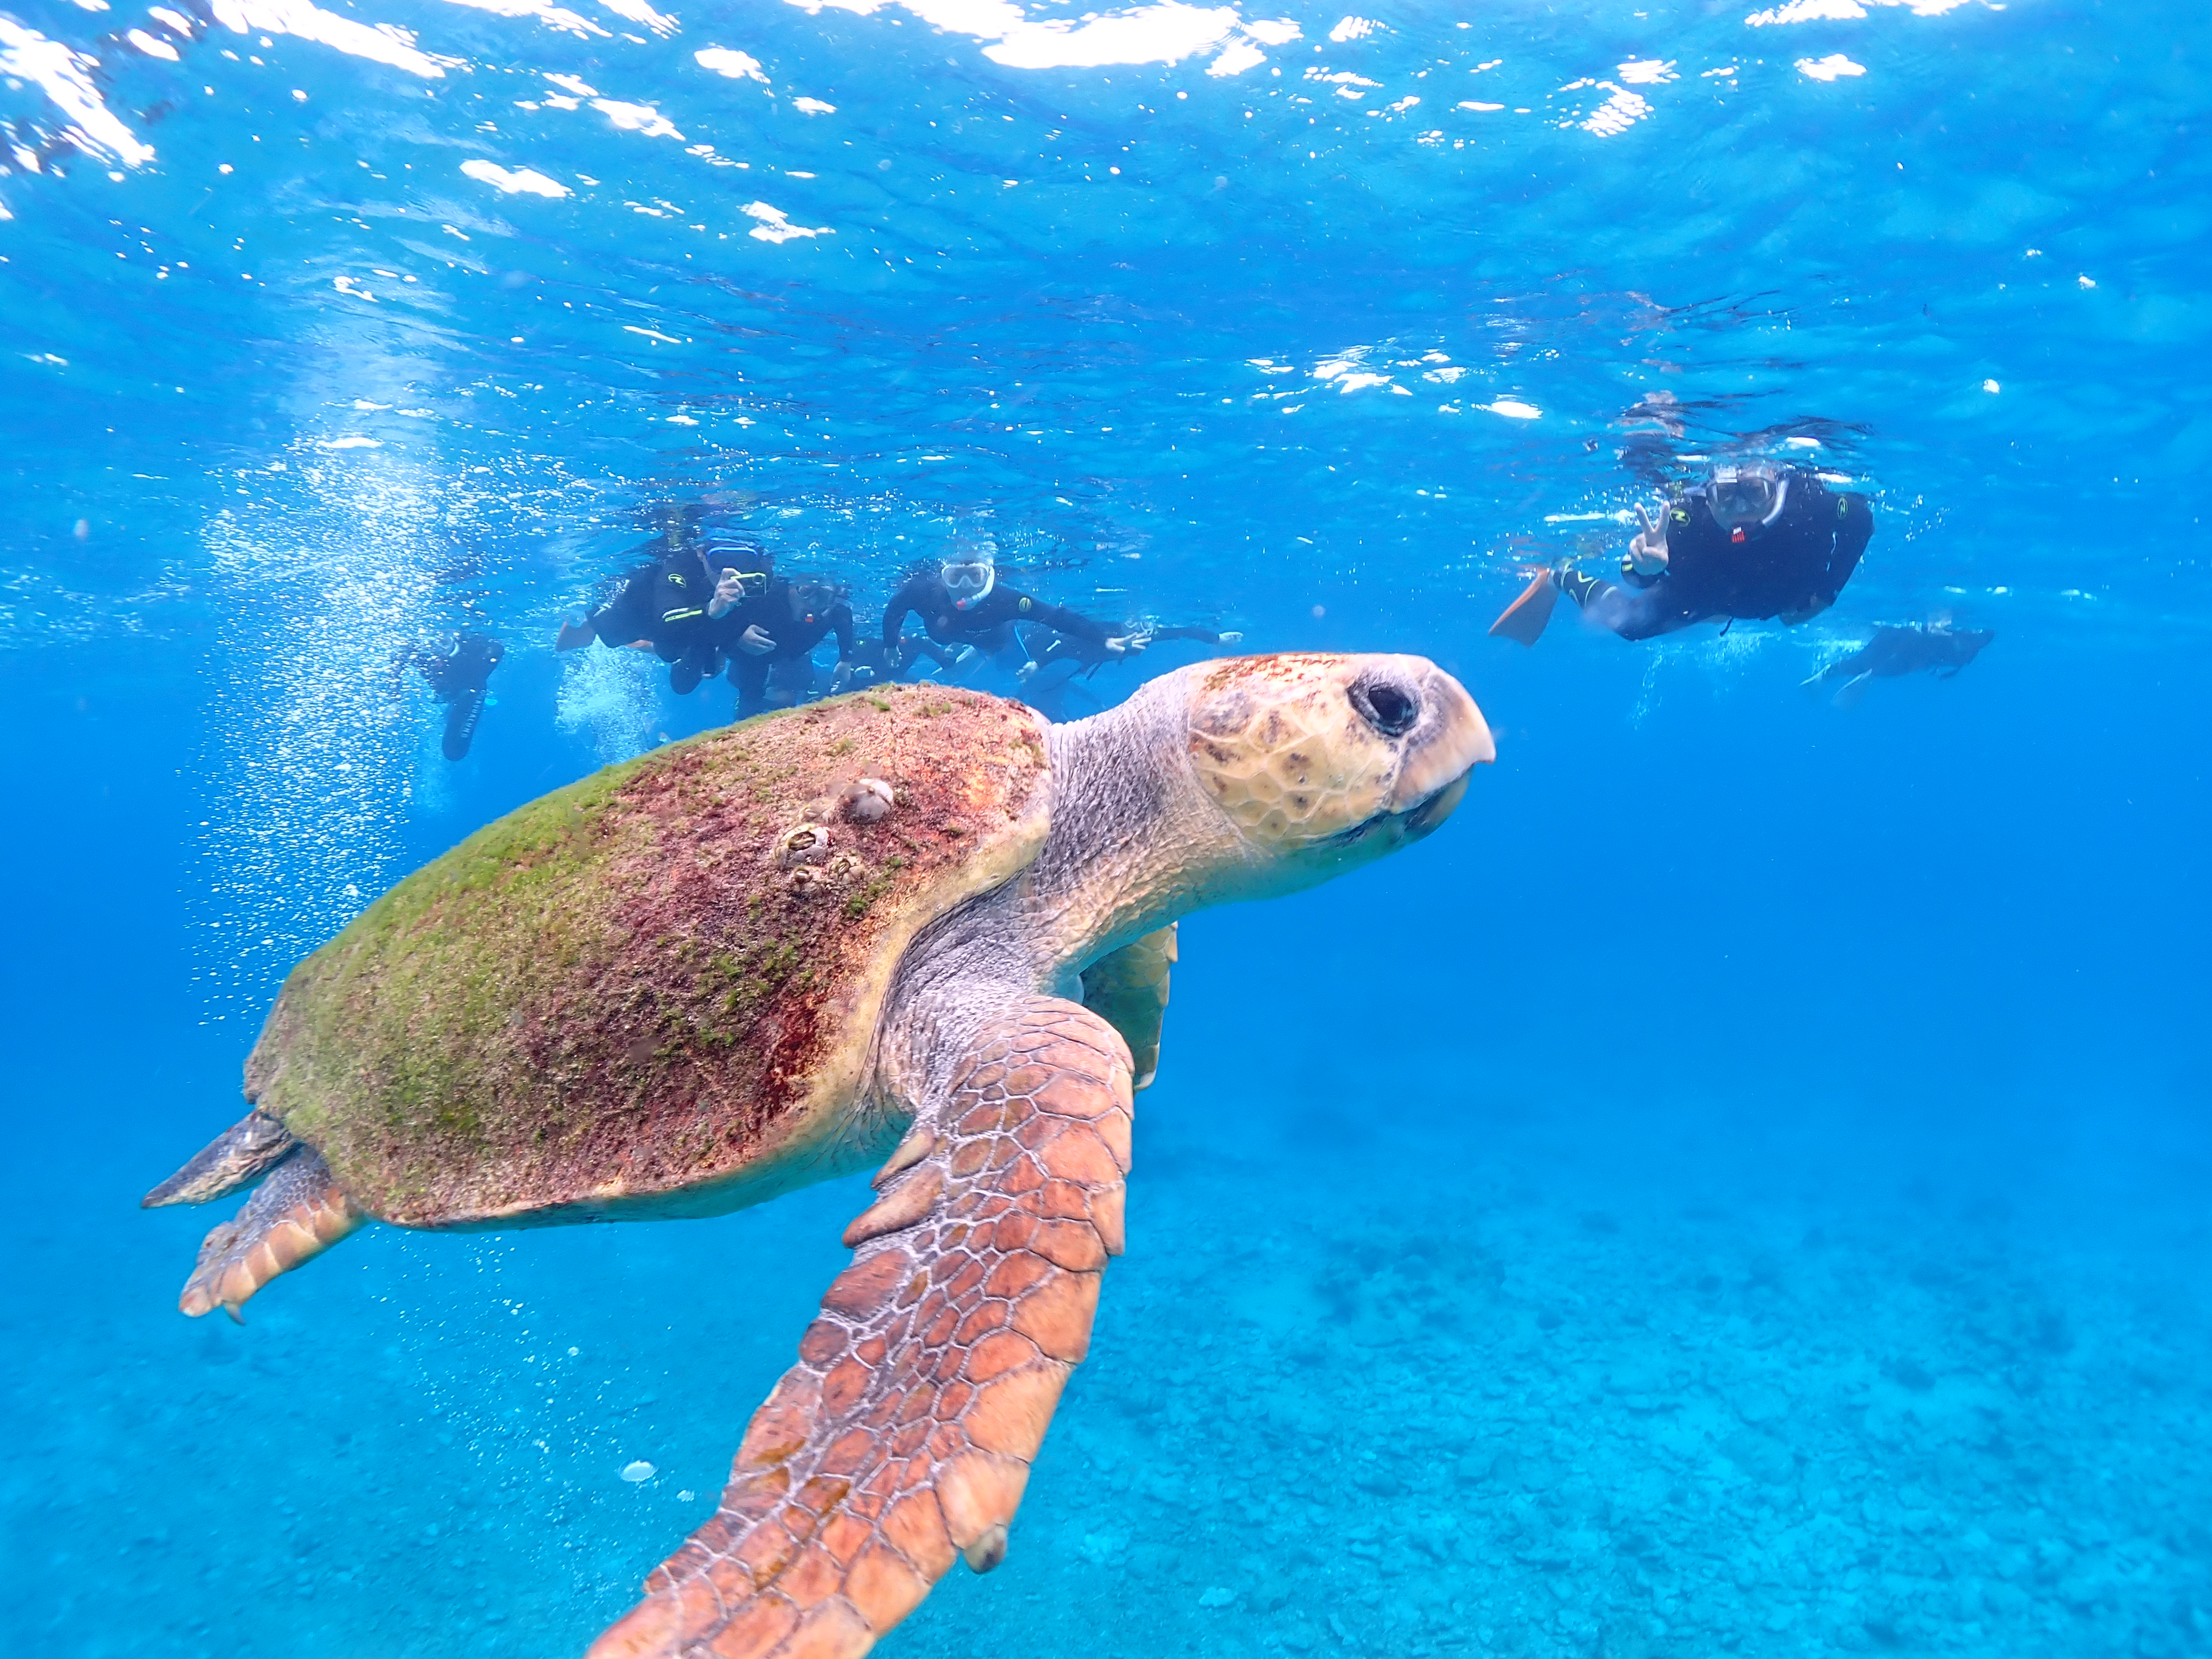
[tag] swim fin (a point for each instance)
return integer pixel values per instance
(1525, 619)
(461, 717)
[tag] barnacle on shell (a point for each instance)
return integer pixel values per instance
(868, 800)
(804, 843)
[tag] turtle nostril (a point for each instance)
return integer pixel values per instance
(1387, 708)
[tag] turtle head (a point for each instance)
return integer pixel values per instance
(1321, 763)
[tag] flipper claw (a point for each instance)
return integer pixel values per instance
(988, 1552)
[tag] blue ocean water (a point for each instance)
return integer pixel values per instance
(1740, 1185)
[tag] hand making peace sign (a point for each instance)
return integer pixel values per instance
(1646, 552)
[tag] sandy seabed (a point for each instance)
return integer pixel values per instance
(1491, 1394)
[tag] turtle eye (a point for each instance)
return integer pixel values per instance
(1389, 708)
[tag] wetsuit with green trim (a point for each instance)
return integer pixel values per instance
(664, 604)
(1792, 568)
(683, 636)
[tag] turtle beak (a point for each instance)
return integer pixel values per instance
(1436, 808)
(1449, 741)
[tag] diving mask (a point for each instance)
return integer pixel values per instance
(1751, 493)
(811, 600)
(968, 580)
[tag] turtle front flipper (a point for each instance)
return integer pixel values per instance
(904, 1435)
(1128, 989)
(299, 1212)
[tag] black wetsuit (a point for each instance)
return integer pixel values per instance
(1792, 568)
(796, 637)
(665, 604)
(873, 662)
(459, 678)
(988, 622)
(628, 617)
(1094, 655)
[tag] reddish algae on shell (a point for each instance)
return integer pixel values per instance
(620, 992)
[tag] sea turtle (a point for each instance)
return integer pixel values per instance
(913, 920)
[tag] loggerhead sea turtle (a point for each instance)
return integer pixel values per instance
(914, 920)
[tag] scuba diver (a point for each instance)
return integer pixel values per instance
(671, 606)
(771, 635)
(1756, 539)
(963, 605)
(1900, 648)
(459, 678)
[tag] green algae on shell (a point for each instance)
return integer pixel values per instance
(621, 995)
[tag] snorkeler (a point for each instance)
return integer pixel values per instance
(771, 635)
(630, 619)
(962, 603)
(1900, 648)
(875, 664)
(1756, 539)
(459, 678)
(1090, 656)
(671, 606)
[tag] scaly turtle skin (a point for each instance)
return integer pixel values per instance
(743, 963)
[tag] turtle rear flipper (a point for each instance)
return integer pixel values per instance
(903, 1436)
(298, 1212)
(237, 1157)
